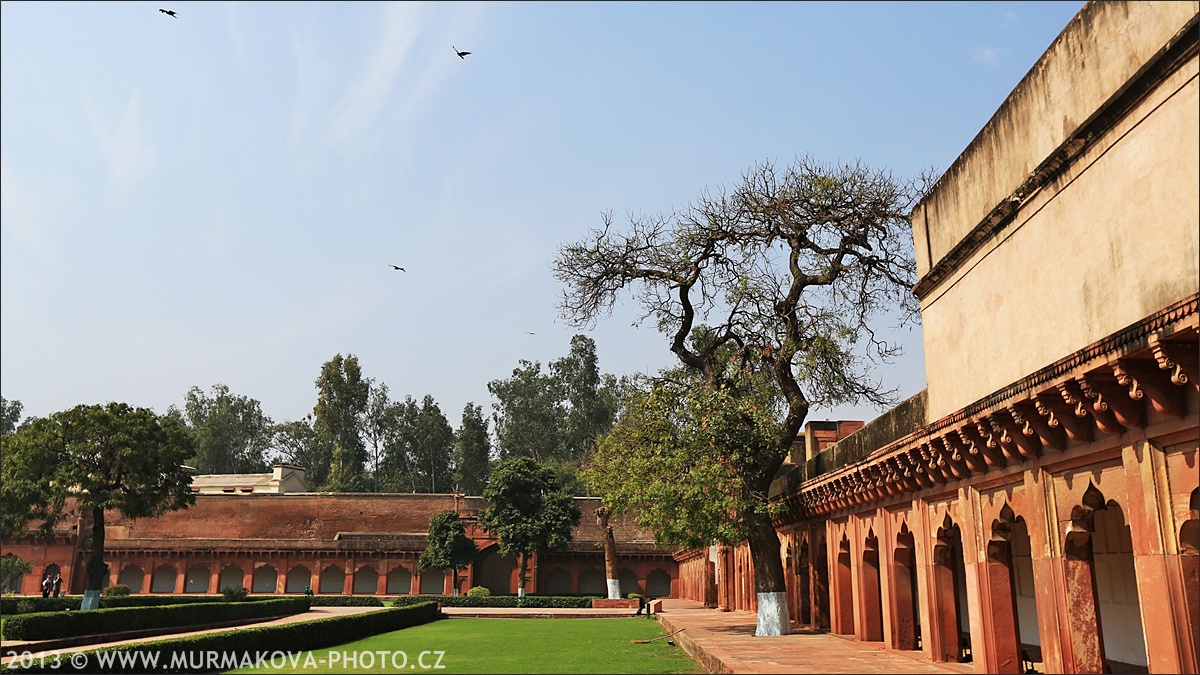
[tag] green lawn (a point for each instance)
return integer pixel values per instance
(503, 646)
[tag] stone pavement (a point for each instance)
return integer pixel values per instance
(724, 642)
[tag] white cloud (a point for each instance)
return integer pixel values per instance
(987, 55)
(1009, 18)
(130, 158)
(365, 99)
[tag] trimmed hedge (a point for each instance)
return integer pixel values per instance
(10, 605)
(345, 601)
(237, 648)
(51, 625)
(535, 601)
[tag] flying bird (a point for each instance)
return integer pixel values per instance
(397, 267)
(169, 12)
(530, 333)
(461, 55)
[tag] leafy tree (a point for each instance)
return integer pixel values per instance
(472, 450)
(95, 458)
(527, 416)
(449, 546)
(432, 449)
(379, 429)
(10, 415)
(528, 511)
(296, 442)
(342, 396)
(790, 270)
(555, 417)
(590, 398)
(12, 571)
(398, 474)
(232, 433)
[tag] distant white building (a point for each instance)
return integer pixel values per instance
(283, 479)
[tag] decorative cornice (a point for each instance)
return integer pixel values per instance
(1102, 389)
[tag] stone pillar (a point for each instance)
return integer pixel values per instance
(1003, 649)
(1048, 582)
(1161, 595)
(1084, 652)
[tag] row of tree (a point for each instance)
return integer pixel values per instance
(358, 439)
(99, 459)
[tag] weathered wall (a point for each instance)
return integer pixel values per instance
(1106, 240)
(321, 516)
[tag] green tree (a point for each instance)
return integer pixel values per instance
(528, 511)
(432, 449)
(472, 449)
(232, 433)
(12, 571)
(379, 429)
(342, 396)
(791, 269)
(589, 397)
(528, 412)
(397, 471)
(449, 547)
(10, 416)
(295, 442)
(95, 458)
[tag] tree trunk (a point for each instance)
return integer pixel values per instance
(769, 581)
(521, 575)
(96, 570)
(610, 553)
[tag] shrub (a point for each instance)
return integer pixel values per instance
(115, 590)
(235, 593)
(50, 625)
(246, 645)
(634, 596)
(534, 601)
(479, 592)
(345, 601)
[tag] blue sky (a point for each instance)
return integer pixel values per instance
(217, 197)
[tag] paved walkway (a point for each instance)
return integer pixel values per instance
(724, 642)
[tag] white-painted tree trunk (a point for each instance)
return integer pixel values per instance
(773, 614)
(521, 592)
(614, 589)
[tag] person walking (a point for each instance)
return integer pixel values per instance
(46, 583)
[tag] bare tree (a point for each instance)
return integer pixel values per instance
(790, 270)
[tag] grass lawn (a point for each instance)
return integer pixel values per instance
(507, 646)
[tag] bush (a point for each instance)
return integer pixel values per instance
(345, 601)
(50, 625)
(479, 592)
(115, 591)
(634, 596)
(534, 601)
(241, 648)
(235, 593)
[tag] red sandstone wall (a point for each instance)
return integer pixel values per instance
(320, 516)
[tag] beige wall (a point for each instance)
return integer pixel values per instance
(1110, 241)
(1102, 48)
